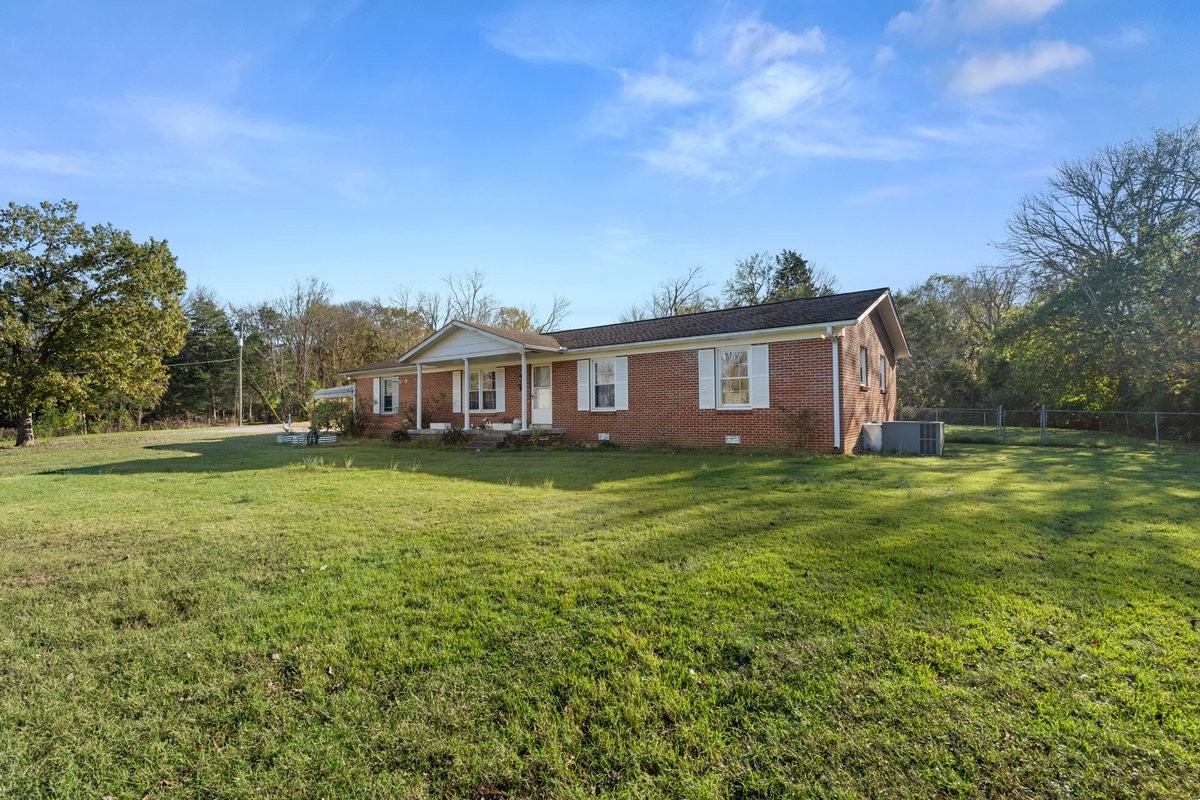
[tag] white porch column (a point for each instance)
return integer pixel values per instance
(466, 394)
(524, 392)
(418, 395)
(835, 341)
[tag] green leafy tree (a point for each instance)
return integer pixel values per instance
(85, 313)
(763, 278)
(1112, 250)
(203, 376)
(794, 278)
(953, 324)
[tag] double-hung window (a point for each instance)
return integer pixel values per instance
(733, 373)
(864, 368)
(882, 374)
(482, 391)
(387, 396)
(604, 383)
(737, 378)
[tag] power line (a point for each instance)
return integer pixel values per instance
(194, 363)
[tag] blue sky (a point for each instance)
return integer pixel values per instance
(590, 151)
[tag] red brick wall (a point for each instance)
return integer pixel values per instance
(664, 399)
(861, 405)
(664, 403)
(437, 401)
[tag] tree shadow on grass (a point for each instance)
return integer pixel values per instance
(566, 468)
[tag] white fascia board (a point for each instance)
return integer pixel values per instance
(380, 372)
(891, 321)
(359, 373)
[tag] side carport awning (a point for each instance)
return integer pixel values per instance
(336, 393)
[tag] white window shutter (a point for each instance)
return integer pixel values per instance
(499, 388)
(708, 367)
(396, 394)
(583, 383)
(375, 395)
(760, 377)
(456, 392)
(621, 364)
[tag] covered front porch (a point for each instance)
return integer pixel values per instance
(500, 381)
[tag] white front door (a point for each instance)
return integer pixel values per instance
(540, 395)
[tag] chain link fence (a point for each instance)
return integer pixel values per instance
(1156, 431)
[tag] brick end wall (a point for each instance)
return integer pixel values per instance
(861, 405)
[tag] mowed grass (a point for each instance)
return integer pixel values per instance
(197, 615)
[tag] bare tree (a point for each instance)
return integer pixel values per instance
(681, 295)
(1111, 249)
(560, 307)
(751, 280)
(468, 299)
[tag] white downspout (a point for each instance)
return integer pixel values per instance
(524, 392)
(837, 388)
(418, 395)
(466, 394)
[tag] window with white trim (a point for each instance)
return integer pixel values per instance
(482, 390)
(733, 377)
(604, 383)
(864, 369)
(387, 395)
(882, 374)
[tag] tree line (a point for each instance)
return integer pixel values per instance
(1095, 305)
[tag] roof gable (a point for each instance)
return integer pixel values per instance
(457, 339)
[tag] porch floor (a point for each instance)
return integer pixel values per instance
(484, 439)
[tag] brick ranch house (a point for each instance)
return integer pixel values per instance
(798, 373)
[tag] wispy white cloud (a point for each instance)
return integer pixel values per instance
(747, 97)
(563, 33)
(879, 194)
(193, 123)
(698, 151)
(986, 131)
(1129, 37)
(51, 163)
(656, 89)
(127, 166)
(176, 140)
(935, 17)
(782, 88)
(984, 13)
(983, 73)
(757, 42)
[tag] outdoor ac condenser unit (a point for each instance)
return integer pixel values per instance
(872, 437)
(914, 438)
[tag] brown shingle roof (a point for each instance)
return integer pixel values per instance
(784, 314)
(529, 339)
(386, 364)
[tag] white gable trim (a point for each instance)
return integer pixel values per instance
(502, 344)
(891, 321)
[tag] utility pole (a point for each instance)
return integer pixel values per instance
(241, 343)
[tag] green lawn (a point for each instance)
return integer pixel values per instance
(191, 615)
